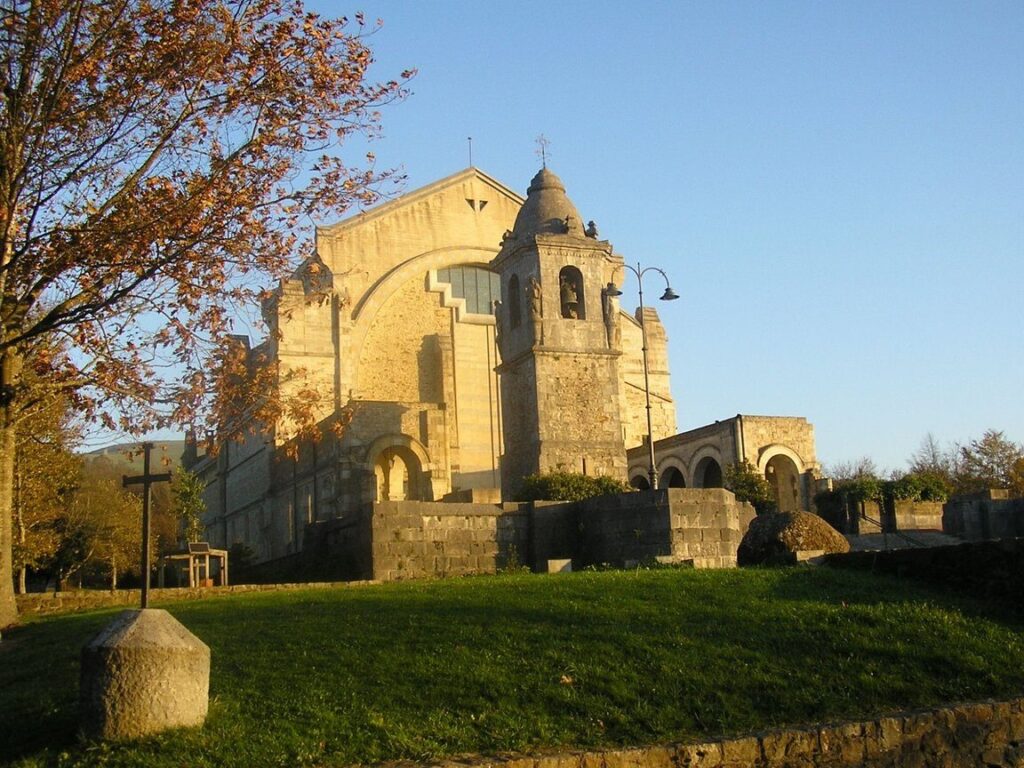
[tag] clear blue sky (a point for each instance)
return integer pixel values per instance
(836, 189)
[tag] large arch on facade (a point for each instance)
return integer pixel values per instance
(418, 267)
(638, 477)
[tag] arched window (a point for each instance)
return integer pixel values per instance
(514, 314)
(570, 289)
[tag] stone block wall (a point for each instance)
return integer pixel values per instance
(682, 524)
(864, 517)
(410, 539)
(918, 515)
(988, 568)
(417, 539)
(981, 516)
(707, 526)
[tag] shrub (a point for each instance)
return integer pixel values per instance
(568, 486)
(748, 484)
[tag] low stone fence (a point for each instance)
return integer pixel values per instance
(91, 599)
(413, 539)
(703, 526)
(985, 568)
(986, 515)
(987, 735)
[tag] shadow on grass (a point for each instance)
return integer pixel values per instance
(39, 668)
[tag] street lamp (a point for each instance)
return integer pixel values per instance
(668, 295)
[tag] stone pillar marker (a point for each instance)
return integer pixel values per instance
(143, 673)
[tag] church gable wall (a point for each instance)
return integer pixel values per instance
(471, 211)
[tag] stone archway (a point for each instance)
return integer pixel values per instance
(672, 478)
(783, 476)
(401, 469)
(399, 475)
(708, 474)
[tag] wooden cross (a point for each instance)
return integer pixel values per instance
(146, 480)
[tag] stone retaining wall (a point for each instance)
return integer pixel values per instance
(985, 515)
(703, 526)
(987, 735)
(985, 568)
(413, 539)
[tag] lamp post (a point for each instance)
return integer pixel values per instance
(668, 295)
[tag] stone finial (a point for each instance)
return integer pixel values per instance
(143, 673)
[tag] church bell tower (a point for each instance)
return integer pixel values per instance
(559, 340)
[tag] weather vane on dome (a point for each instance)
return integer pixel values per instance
(542, 149)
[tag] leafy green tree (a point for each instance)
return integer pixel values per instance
(189, 506)
(100, 528)
(46, 472)
(919, 485)
(748, 484)
(990, 462)
(568, 486)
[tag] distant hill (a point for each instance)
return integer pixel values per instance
(166, 453)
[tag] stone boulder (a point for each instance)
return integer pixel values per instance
(777, 537)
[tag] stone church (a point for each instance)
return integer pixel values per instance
(461, 337)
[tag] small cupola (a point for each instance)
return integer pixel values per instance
(547, 210)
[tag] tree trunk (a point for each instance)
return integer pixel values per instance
(8, 606)
(19, 527)
(113, 572)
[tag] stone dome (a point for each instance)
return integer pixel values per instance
(546, 209)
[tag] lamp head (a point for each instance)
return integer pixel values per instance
(611, 290)
(669, 294)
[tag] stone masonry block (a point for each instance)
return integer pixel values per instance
(699, 755)
(790, 748)
(740, 753)
(143, 673)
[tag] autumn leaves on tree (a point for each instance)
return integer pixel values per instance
(153, 180)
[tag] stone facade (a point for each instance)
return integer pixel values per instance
(450, 342)
(780, 447)
(389, 331)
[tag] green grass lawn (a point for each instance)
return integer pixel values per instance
(519, 662)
